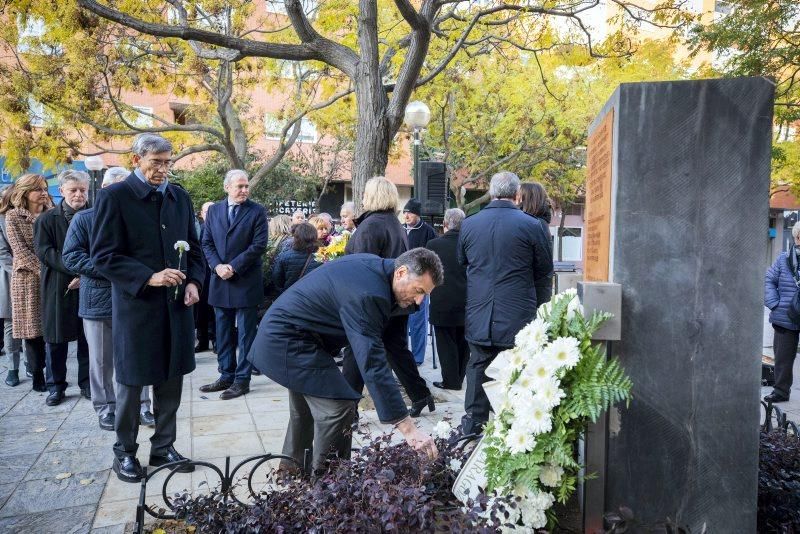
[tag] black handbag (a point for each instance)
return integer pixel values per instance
(794, 305)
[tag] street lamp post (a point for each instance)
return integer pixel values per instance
(95, 165)
(417, 117)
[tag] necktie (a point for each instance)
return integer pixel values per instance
(232, 213)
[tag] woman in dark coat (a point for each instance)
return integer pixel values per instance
(378, 231)
(532, 199)
(291, 265)
(779, 290)
(30, 199)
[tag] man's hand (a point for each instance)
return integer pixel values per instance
(75, 283)
(419, 441)
(191, 295)
(224, 271)
(166, 278)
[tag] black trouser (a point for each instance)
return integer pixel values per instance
(395, 341)
(36, 358)
(205, 323)
(166, 400)
(476, 403)
(453, 354)
(57, 364)
(784, 346)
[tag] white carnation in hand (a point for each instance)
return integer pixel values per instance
(563, 352)
(442, 430)
(519, 439)
(181, 246)
(550, 475)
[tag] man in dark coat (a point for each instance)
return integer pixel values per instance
(504, 251)
(95, 310)
(448, 302)
(203, 312)
(419, 233)
(346, 301)
(140, 225)
(60, 321)
(234, 240)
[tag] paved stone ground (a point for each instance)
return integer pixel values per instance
(38, 444)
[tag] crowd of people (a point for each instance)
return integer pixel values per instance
(142, 284)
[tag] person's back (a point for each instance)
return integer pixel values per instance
(504, 251)
(379, 233)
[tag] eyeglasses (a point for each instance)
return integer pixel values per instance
(160, 164)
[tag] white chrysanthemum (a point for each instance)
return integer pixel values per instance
(519, 440)
(520, 399)
(524, 382)
(517, 358)
(549, 392)
(533, 336)
(455, 465)
(535, 417)
(540, 368)
(442, 430)
(550, 475)
(533, 508)
(563, 352)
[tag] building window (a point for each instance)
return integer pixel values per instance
(723, 7)
(30, 33)
(274, 126)
(36, 113)
(572, 242)
(137, 119)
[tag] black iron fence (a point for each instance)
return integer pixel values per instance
(776, 419)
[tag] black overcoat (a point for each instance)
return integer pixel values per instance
(240, 244)
(60, 321)
(345, 301)
(379, 233)
(449, 300)
(136, 229)
(504, 251)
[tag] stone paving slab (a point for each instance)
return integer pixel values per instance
(50, 494)
(72, 520)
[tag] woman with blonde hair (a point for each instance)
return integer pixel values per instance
(323, 228)
(13, 346)
(29, 199)
(379, 232)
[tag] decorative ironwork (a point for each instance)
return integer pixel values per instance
(775, 419)
(227, 483)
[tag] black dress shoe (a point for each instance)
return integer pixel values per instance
(55, 398)
(217, 385)
(107, 421)
(441, 385)
(236, 390)
(171, 456)
(417, 406)
(147, 418)
(128, 469)
(41, 388)
(776, 397)
(255, 372)
(86, 393)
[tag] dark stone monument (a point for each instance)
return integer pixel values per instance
(686, 222)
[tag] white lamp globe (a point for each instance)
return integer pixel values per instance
(94, 163)
(417, 115)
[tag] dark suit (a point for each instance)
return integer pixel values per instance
(346, 301)
(203, 312)
(60, 321)
(505, 251)
(239, 243)
(448, 302)
(136, 228)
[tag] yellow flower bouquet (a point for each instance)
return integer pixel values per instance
(334, 250)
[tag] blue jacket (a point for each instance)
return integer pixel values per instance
(779, 289)
(241, 245)
(346, 301)
(288, 266)
(505, 251)
(95, 293)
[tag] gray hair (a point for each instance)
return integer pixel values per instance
(148, 143)
(420, 261)
(114, 175)
(349, 207)
(504, 184)
(453, 218)
(233, 174)
(71, 175)
(796, 229)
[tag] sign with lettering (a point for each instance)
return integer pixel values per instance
(597, 230)
(287, 207)
(472, 477)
